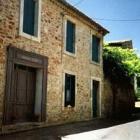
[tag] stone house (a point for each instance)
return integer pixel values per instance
(50, 64)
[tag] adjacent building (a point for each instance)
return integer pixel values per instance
(121, 43)
(50, 64)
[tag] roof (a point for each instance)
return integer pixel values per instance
(121, 43)
(84, 16)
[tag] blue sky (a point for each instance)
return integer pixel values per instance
(115, 9)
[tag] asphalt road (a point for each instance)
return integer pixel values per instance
(97, 129)
(128, 131)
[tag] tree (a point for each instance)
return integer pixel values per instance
(120, 65)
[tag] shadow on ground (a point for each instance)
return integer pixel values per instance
(55, 132)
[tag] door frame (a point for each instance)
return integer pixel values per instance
(99, 97)
(22, 57)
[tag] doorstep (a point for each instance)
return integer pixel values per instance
(19, 127)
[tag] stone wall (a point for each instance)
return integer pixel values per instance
(52, 46)
(119, 101)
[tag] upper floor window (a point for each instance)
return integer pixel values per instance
(95, 49)
(30, 18)
(69, 90)
(70, 37)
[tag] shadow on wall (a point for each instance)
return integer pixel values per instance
(120, 100)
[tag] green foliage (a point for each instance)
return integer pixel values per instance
(120, 65)
(137, 90)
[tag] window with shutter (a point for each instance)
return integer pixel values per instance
(69, 90)
(70, 37)
(95, 49)
(30, 16)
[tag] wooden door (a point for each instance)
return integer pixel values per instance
(95, 96)
(20, 95)
(24, 88)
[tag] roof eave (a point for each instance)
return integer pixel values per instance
(102, 29)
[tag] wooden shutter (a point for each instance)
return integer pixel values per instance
(73, 90)
(70, 38)
(95, 48)
(95, 98)
(67, 90)
(29, 17)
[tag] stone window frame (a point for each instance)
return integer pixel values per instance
(66, 18)
(101, 45)
(63, 97)
(100, 95)
(37, 36)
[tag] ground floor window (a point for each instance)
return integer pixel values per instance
(69, 90)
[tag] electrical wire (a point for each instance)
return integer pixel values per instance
(120, 20)
(79, 2)
(105, 19)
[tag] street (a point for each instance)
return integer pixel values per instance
(128, 131)
(97, 129)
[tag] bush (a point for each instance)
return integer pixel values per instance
(120, 65)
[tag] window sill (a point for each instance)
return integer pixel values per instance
(34, 38)
(70, 54)
(70, 108)
(95, 63)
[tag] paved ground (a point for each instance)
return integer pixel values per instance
(137, 104)
(55, 132)
(128, 131)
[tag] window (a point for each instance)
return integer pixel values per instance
(95, 49)
(70, 37)
(69, 90)
(30, 18)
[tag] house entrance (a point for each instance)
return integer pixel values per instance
(26, 83)
(24, 97)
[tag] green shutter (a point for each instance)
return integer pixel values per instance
(95, 48)
(95, 98)
(70, 37)
(73, 90)
(29, 17)
(67, 90)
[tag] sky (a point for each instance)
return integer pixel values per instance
(116, 10)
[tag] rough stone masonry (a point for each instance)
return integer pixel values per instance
(54, 13)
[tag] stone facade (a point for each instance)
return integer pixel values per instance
(53, 16)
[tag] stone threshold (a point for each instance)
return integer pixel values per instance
(8, 129)
(22, 127)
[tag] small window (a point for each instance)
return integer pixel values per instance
(95, 49)
(30, 17)
(70, 37)
(69, 90)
